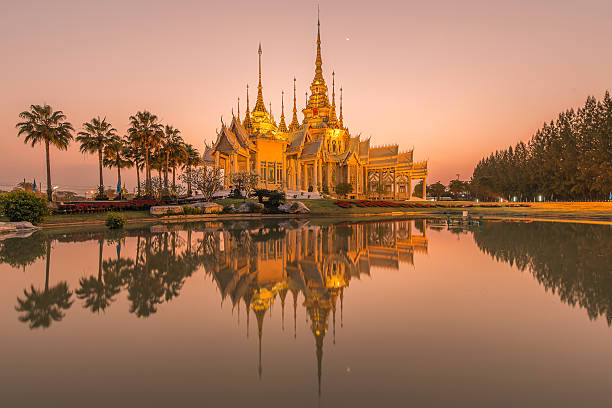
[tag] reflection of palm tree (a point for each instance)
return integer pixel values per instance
(41, 308)
(99, 292)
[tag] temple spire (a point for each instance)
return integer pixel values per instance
(340, 119)
(332, 115)
(247, 117)
(282, 127)
(259, 104)
(238, 109)
(294, 121)
(319, 61)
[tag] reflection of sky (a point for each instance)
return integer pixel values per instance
(456, 326)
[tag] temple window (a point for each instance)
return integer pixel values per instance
(271, 172)
(279, 172)
(263, 171)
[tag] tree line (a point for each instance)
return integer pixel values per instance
(569, 158)
(148, 145)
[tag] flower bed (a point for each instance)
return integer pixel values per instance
(424, 204)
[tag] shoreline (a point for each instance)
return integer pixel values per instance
(474, 213)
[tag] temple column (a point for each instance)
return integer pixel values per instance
(235, 160)
(283, 183)
(328, 169)
(315, 178)
(409, 187)
(381, 185)
(320, 173)
(248, 164)
(424, 188)
(394, 185)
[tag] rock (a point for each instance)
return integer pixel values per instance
(295, 207)
(250, 207)
(166, 209)
(208, 207)
(20, 226)
(229, 208)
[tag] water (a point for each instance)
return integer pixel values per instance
(398, 313)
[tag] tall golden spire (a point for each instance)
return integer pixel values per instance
(332, 114)
(247, 117)
(272, 116)
(319, 60)
(282, 127)
(340, 118)
(294, 121)
(239, 109)
(259, 104)
(317, 106)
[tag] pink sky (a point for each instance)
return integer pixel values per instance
(454, 80)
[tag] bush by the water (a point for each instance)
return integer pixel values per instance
(271, 199)
(115, 220)
(22, 205)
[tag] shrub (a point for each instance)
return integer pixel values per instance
(115, 220)
(342, 189)
(22, 205)
(191, 210)
(270, 198)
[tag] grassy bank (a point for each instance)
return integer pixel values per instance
(601, 212)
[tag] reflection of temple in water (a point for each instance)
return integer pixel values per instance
(257, 266)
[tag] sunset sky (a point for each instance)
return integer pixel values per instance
(455, 80)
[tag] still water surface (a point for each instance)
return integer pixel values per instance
(233, 314)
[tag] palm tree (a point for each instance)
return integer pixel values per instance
(116, 155)
(190, 158)
(41, 307)
(135, 154)
(43, 125)
(146, 132)
(96, 135)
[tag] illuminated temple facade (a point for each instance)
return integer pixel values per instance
(258, 265)
(315, 154)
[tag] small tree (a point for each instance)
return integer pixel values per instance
(437, 190)
(418, 189)
(344, 189)
(209, 181)
(244, 181)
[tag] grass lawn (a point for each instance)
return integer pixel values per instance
(566, 210)
(88, 217)
(598, 211)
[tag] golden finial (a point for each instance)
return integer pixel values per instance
(332, 115)
(247, 117)
(282, 127)
(239, 109)
(259, 104)
(294, 121)
(340, 118)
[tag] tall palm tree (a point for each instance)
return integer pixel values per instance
(190, 158)
(174, 147)
(135, 154)
(94, 138)
(145, 131)
(116, 155)
(41, 124)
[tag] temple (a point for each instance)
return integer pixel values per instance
(315, 154)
